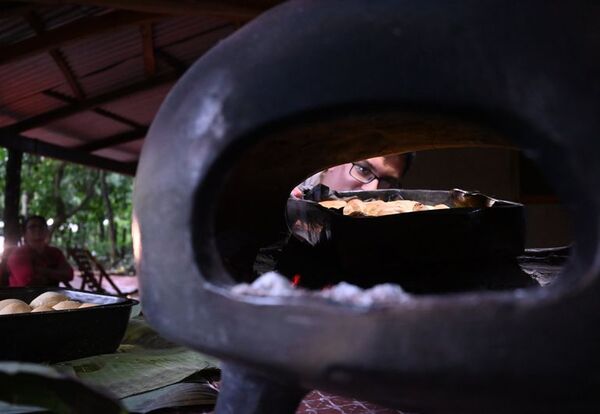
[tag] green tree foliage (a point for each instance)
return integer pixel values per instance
(70, 195)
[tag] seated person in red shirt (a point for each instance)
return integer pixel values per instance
(35, 263)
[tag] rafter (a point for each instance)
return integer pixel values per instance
(171, 60)
(102, 112)
(38, 26)
(66, 111)
(230, 9)
(70, 32)
(114, 140)
(34, 146)
(148, 49)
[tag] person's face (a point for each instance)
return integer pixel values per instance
(387, 170)
(36, 233)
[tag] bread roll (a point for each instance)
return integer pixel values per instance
(49, 299)
(66, 304)
(15, 308)
(4, 303)
(42, 308)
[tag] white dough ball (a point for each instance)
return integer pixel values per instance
(66, 304)
(48, 299)
(15, 308)
(42, 308)
(4, 303)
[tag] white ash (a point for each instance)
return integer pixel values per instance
(379, 294)
(342, 292)
(387, 293)
(268, 284)
(275, 285)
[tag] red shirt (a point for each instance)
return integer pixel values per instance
(23, 262)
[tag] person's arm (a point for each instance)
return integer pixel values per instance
(62, 272)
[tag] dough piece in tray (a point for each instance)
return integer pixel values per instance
(333, 203)
(355, 207)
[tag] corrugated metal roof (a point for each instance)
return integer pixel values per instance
(141, 107)
(32, 105)
(6, 119)
(173, 30)
(14, 31)
(134, 146)
(28, 77)
(117, 155)
(54, 17)
(88, 126)
(53, 137)
(190, 49)
(125, 73)
(97, 54)
(102, 63)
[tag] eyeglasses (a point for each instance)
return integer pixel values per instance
(364, 175)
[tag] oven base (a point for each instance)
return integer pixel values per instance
(245, 392)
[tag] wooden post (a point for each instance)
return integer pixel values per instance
(12, 195)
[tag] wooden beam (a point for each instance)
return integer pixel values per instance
(114, 140)
(243, 10)
(16, 9)
(70, 32)
(99, 111)
(60, 113)
(148, 49)
(38, 26)
(37, 147)
(177, 64)
(171, 60)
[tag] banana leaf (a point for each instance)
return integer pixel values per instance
(144, 362)
(183, 394)
(31, 385)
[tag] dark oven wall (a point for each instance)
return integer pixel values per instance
(500, 173)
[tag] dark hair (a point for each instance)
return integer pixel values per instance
(409, 158)
(33, 218)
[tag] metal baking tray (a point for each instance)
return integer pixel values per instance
(66, 334)
(476, 227)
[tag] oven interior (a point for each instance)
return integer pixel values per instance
(252, 240)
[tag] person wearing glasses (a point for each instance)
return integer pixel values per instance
(370, 174)
(35, 262)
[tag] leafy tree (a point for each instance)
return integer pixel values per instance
(84, 207)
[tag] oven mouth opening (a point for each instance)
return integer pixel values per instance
(360, 260)
(267, 166)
